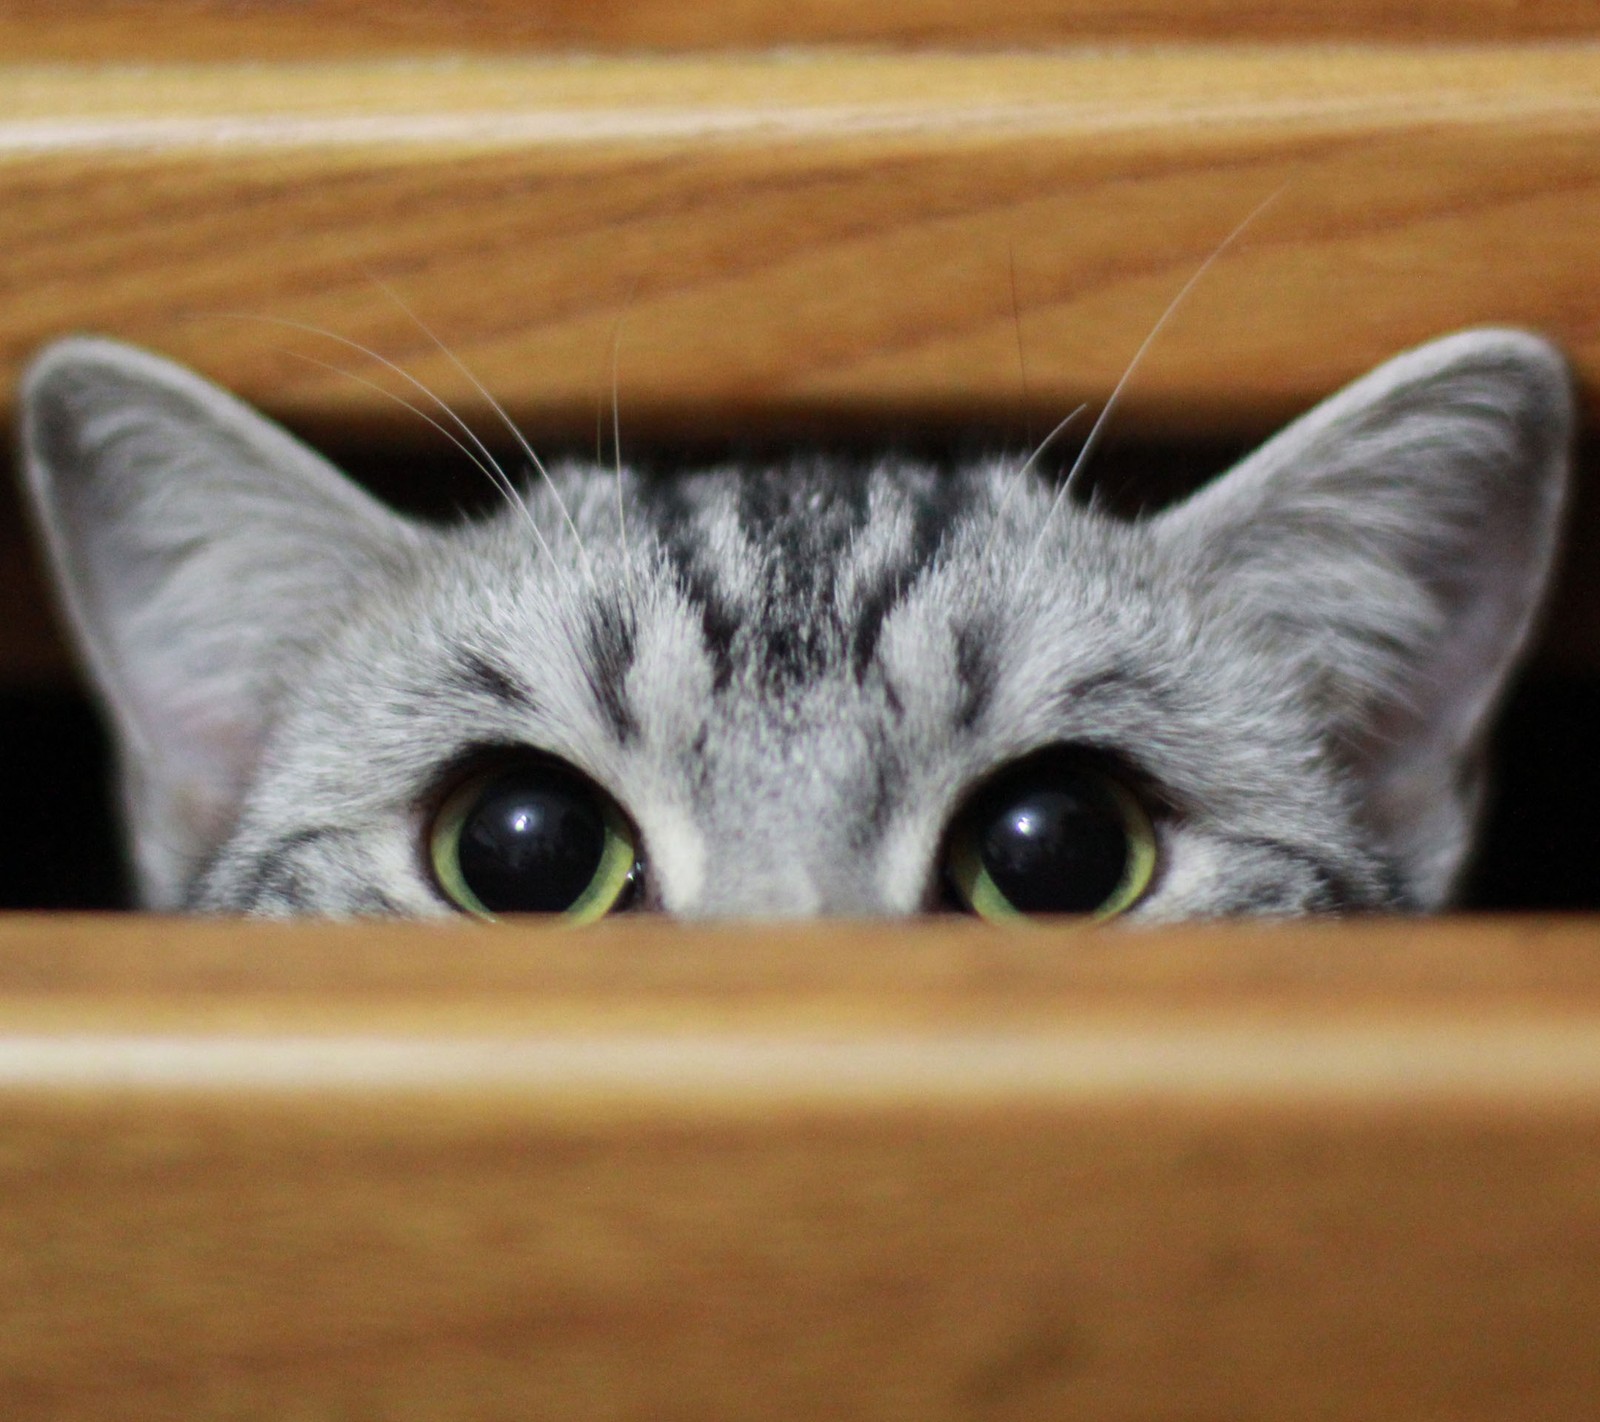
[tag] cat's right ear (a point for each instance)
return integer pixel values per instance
(1394, 545)
(195, 546)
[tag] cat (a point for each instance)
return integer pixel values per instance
(808, 689)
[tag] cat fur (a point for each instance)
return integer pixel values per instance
(789, 677)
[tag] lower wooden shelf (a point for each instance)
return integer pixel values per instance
(857, 1171)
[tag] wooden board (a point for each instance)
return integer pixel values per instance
(755, 242)
(120, 31)
(1333, 1172)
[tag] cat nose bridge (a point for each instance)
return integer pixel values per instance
(786, 826)
(787, 870)
(741, 884)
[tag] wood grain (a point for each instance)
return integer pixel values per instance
(1334, 1172)
(866, 238)
(121, 31)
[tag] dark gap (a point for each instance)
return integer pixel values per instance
(59, 846)
(1128, 476)
(1538, 846)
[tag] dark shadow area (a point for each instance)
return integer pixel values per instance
(59, 847)
(1127, 476)
(1539, 846)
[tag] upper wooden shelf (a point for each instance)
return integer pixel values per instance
(746, 240)
(139, 30)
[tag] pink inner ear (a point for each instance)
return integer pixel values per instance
(211, 770)
(1424, 758)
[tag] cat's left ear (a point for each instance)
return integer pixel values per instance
(1396, 543)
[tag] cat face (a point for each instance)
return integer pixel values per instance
(810, 689)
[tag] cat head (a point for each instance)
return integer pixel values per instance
(806, 689)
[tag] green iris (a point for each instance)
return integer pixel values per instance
(1051, 835)
(533, 838)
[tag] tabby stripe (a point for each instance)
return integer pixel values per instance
(1337, 890)
(475, 673)
(276, 874)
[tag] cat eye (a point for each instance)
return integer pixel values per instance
(1051, 834)
(535, 837)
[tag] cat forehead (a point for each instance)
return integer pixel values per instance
(731, 622)
(767, 584)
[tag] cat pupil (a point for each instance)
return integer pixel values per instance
(1054, 852)
(533, 843)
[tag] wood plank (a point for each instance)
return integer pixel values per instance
(942, 965)
(864, 238)
(121, 31)
(1341, 1172)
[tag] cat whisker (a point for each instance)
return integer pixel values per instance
(494, 475)
(1022, 474)
(616, 454)
(1138, 356)
(500, 412)
(485, 460)
(1095, 430)
(1049, 439)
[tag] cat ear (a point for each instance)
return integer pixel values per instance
(194, 543)
(1396, 542)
